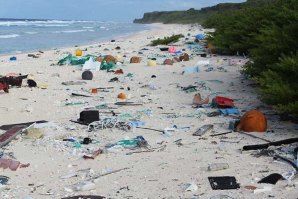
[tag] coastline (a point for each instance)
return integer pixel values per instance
(82, 45)
(166, 170)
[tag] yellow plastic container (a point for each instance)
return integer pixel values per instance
(151, 63)
(209, 45)
(79, 52)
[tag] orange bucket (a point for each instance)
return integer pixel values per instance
(122, 96)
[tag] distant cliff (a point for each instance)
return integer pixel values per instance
(194, 16)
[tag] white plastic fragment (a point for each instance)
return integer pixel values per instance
(85, 186)
(266, 188)
(192, 187)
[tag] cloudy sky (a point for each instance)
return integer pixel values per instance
(104, 10)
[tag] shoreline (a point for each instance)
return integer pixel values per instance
(82, 45)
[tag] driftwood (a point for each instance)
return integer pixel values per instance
(112, 172)
(265, 146)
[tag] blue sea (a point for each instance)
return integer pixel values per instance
(29, 35)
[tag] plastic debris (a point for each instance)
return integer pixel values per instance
(266, 188)
(203, 129)
(139, 141)
(33, 133)
(85, 186)
(136, 123)
(223, 183)
(73, 60)
(109, 122)
(189, 89)
(221, 196)
(217, 166)
(230, 111)
(192, 187)
(3, 180)
(107, 66)
(271, 179)
(191, 70)
(11, 164)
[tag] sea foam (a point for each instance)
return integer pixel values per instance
(9, 36)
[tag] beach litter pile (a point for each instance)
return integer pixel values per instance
(132, 120)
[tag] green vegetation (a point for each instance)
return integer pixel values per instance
(195, 16)
(268, 34)
(166, 40)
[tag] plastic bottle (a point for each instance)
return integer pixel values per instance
(217, 166)
(85, 186)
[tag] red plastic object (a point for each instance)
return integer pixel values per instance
(4, 86)
(119, 72)
(224, 102)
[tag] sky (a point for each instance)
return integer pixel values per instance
(102, 10)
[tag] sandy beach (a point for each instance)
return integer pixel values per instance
(173, 160)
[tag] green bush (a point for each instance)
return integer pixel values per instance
(166, 40)
(268, 35)
(279, 85)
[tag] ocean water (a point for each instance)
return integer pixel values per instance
(29, 35)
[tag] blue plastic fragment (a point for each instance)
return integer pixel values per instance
(229, 111)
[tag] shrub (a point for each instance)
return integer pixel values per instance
(166, 40)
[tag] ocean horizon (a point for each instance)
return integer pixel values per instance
(25, 35)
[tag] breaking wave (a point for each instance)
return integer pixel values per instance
(73, 31)
(9, 36)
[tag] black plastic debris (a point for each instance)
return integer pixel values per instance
(266, 145)
(87, 117)
(271, 179)
(3, 180)
(87, 141)
(115, 79)
(87, 75)
(223, 182)
(31, 83)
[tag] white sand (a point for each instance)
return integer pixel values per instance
(157, 174)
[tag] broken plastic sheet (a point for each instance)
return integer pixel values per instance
(136, 123)
(196, 114)
(11, 164)
(45, 125)
(73, 60)
(107, 66)
(229, 111)
(138, 141)
(190, 89)
(191, 70)
(203, 62)
(91, 65)
(136, 116)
